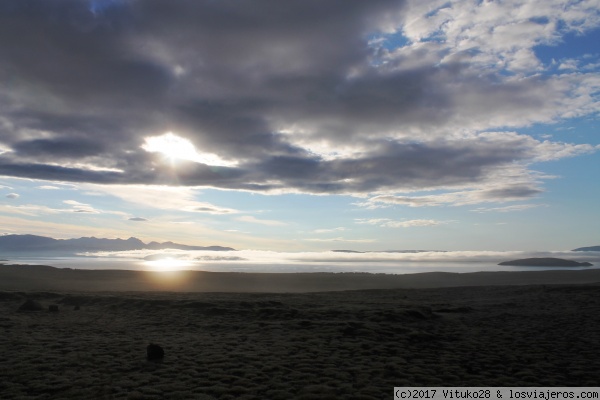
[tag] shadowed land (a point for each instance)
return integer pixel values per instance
(39, 277)
(334, 345)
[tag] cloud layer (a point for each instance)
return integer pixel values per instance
(384, 97)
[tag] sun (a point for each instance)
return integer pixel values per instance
(172, 146)
(175, 148)
(167, 264)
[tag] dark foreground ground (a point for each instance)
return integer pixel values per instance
(335, 345)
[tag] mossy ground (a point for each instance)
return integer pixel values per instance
(350, 345)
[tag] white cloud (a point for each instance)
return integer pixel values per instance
(48, 187)
(388, 223)
(550, 151)
(82, 207)
(254, 220)
(329, 230)
(162, 197)
(516, 207)
(30, 210)
(38, 210)
(74, 203)
(413, 223)
(339, 239)
(59, 230)
(569, 64)
(500, 35)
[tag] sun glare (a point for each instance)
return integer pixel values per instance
(177, 148)
(167, 264)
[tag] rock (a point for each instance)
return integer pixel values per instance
(31, 305)
(53, 308)
(154, 352)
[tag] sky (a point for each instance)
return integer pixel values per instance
(303, 125)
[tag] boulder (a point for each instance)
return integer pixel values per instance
(31, 305)
(154, 352)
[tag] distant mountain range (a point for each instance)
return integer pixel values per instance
(38, 245)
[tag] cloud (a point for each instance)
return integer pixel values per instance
(498, 193)
(306, 96)
(31, 210)
(74, 203)
(388, 223)
(81, 207)
(162, 197)
(138, 219)
(12, 196)
(569, 64)
(516, 207)
(339, 239)
(413, 223)
(498, 35)
(254, 220)
(178, 148)
(76, 207)
(338, 229)
(63, 229)
(48, 187)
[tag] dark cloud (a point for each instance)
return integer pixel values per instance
(138, 219)
(258, 83)
(513, 191)
(59, 173)
(59, 147)
(384, 165)
(63, 49)
(390, 165)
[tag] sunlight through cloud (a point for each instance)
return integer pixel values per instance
(177, 148)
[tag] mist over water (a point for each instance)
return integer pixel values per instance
(295, 262)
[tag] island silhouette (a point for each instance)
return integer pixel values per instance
(545, 262)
